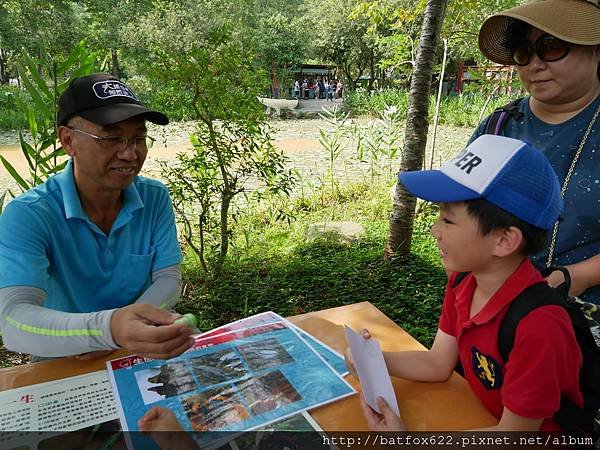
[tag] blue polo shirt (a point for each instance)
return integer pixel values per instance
(48, 241)
(579, 232)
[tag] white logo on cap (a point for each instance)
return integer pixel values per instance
(479, 164)
(108, 89)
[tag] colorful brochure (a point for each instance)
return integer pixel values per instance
(335, 359)
(239, 380)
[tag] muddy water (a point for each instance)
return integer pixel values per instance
(298, 139)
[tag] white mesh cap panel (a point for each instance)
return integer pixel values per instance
(482, 161)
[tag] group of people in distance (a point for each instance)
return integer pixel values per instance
(89, 260)
(319, 88)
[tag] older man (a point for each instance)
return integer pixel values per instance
(89, 260)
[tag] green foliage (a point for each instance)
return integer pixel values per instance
(332, 140)
(465, 110)
(44, 80)
(163, 95)
(282, 272)
(10, 117)
(227, 159)
(362, 102)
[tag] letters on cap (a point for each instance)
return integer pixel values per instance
(480, 163)
(108, 89)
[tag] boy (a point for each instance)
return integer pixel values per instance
(497, 200)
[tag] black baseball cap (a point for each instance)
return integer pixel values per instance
(103, 99)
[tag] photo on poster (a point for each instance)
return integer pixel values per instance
(268, 392)
(265, 354)
(218, 367)
(167, 380)
(214, 409)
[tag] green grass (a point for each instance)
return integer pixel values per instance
(276, 269)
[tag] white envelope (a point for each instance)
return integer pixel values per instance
(372, 371)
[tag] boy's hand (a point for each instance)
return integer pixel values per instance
(159, 419)
(165, 430)
(348, 356)
(388, 421)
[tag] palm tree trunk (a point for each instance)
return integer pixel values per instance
(403, 208)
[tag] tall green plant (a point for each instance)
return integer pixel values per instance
(332, 140)
(380, 144)
(44, 79)
(233, 153)
(230, 159)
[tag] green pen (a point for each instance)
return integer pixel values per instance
(188, 319)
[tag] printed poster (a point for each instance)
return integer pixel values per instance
(236, 381)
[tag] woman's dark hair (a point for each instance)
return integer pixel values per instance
(516, 34)
(491, 217)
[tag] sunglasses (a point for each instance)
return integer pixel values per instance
(547, 47)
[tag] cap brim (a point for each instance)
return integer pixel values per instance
(435, 186)
(570, 20)
(118, 112)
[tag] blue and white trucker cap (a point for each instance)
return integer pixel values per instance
(504, 171)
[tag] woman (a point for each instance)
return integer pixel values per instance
(555, 47)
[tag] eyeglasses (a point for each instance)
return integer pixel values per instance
(119, 143)
(547, 47)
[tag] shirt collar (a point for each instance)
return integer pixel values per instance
(73, 209)
(524, 276)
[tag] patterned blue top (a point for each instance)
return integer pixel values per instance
(579, 233)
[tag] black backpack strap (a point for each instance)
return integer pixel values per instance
(498, 117)
(570, 416)
(539, 294)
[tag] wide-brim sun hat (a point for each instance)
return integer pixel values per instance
(574, 21)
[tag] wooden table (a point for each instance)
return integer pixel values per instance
(424, 406)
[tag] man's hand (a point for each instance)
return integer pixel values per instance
(388, 421)
(348, 355)
(150, 331)
(166, 431)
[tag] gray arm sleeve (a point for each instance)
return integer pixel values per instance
(165, 290)
(28, 327)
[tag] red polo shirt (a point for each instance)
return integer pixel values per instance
(545, 360)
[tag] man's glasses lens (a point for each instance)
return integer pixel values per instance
(548, 48)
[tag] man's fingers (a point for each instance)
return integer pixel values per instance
(155, 315)
(163, 353)
(365, 333)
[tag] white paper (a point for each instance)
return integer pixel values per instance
(371, 369)
(54, 407)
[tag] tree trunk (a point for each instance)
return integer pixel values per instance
(372, 70)
(114, 62)
(403, 208)
(3, 77)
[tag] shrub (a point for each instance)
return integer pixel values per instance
(460, 110)
(10, 117)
